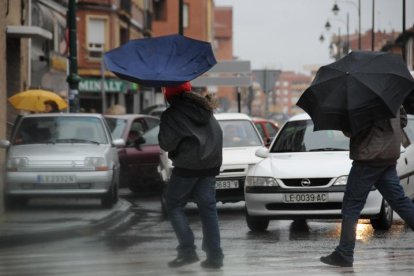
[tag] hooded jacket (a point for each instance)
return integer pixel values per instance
(191, 135)
(379, 145)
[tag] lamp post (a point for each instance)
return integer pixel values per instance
(73, 77)
(328, 27)
(336, 10)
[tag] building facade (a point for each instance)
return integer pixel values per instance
(103, 25)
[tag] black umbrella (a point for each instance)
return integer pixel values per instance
(161, 61)
(353, 92)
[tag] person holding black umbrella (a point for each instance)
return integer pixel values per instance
(374, 152)
(193, 139)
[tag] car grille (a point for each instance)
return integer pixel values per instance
(304, 206)
(299, 182)
(55, 166)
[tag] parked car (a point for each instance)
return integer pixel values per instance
(61, 154)
(405, 164)
(240, 141)
(140, 156)
(267, 129)
(304, 173)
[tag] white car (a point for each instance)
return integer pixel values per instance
(303, 175)
(241, 139)
(60, 155)
(405, 165)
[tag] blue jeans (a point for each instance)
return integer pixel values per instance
(203, 191)
(360, 180)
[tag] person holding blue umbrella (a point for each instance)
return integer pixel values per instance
(193, 139)
(188, 132)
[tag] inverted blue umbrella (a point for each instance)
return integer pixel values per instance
(161, 61)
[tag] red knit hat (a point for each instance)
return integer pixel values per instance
(171, 91)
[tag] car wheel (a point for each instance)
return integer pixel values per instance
(110, 197)
(123, 177)
(256, 224)
(135, 187)
(163, 200)
(12, 202)
(384, 220)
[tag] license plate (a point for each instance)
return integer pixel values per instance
(227, 184)
(305, 198)
(56, 179)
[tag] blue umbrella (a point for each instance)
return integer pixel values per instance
(161, 61)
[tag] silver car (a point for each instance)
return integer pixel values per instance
(61, 154)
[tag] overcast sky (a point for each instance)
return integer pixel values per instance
(284, 34)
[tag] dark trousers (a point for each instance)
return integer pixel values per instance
(203, 190)
(360, 181)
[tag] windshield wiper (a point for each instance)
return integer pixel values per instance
(329, 149)
(76, 140)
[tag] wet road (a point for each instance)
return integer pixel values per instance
(146, 244)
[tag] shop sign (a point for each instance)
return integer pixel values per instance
(94, 85)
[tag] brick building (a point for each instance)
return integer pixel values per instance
(287, 91)
(103, 25)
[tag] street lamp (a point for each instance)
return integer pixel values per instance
(321, 38)
(336, 10)
(328, 27)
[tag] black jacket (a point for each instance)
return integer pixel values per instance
(191, 135)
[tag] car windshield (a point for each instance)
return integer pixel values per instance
(239, 133)
(116, 126)
(151, 136)
(60, 129)
(298, 136)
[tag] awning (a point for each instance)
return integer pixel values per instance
(28, 32)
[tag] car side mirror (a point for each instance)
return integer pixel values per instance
(118, 143)
(4, 144)
(262, 152)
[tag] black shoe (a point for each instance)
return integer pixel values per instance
(184, 260)
(336, 259)
(211, 263)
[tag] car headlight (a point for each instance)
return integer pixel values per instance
(341, 180)
(261, 181)
(98, 163)
(16, 163)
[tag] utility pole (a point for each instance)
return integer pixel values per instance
(373, 27)
(403, 33)
(73, 77)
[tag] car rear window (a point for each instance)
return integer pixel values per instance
(239, 133)
(116, 126)
(298, 136)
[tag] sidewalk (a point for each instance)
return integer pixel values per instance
(48, 220)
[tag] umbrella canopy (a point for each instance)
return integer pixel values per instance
(161, 61)
(33, 100)
(353, 92)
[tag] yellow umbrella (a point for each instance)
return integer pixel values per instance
(33, 100)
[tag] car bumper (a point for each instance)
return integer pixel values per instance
(273, 205)
(87, 183)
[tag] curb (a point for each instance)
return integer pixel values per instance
(119, 214)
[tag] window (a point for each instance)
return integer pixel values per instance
(160, 10)
(96, 31)
(186, 15)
